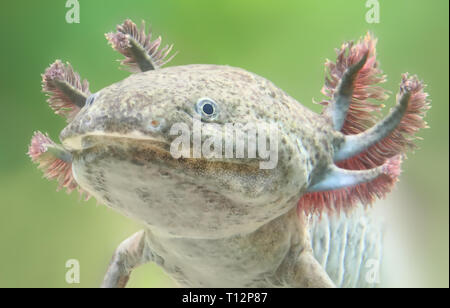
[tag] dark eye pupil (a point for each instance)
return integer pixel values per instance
(208, 109)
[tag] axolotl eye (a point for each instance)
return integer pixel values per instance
(207, 108)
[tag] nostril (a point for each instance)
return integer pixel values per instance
(156, 125)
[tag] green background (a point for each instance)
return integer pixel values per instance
(284, 41)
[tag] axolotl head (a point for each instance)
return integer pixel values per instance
(211, 151)
(197, 149)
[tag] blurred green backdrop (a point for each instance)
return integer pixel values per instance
(284, 41)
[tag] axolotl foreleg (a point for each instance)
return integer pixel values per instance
(224, 220)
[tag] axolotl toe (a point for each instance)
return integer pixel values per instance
(228, 174)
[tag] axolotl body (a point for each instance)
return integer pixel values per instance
(224, 221)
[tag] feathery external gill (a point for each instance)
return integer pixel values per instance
(141, 53)
(67, 93)
(352, 86)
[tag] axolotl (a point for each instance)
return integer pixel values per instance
(224, 221)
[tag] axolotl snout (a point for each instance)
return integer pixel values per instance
(226, 220)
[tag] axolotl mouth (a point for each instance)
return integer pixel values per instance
(149, 143)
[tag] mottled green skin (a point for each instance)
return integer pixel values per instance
(123, 161)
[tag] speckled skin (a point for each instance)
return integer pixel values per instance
(221, 222)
